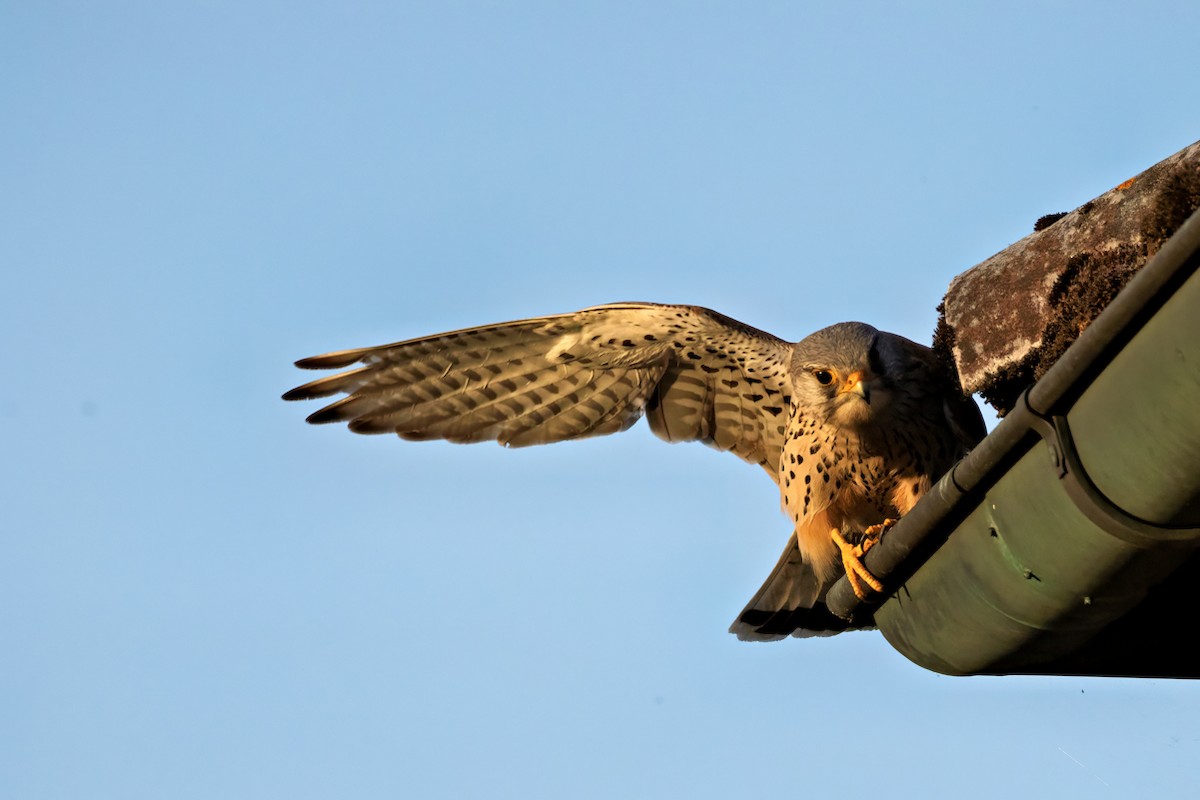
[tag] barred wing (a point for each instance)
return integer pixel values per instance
(697, 375)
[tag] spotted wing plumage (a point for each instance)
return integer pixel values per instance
(696, 375)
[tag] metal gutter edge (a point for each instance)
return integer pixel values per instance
(1081, 500)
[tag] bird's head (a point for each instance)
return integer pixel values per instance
(847, 372)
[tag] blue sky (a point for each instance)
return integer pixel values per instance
(200, 596)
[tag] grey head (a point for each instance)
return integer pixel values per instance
(850, 373)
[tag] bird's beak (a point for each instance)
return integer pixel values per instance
(857, 382)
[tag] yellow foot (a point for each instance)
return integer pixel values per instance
(852, 555)
(875, 531)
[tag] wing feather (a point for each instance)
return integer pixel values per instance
(696, 374)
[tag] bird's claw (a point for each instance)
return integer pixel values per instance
(852, 556)
(874, 532)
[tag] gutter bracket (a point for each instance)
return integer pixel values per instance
(1055, 431)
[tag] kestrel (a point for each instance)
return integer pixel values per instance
(852, 423)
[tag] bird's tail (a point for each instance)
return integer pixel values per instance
(788, 604)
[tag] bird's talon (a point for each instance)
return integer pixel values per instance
(875, 531)
(856, 571)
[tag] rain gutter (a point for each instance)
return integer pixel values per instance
(1051, 548)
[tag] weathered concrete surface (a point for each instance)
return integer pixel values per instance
(1006, 320)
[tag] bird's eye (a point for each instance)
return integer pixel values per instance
(823, 376)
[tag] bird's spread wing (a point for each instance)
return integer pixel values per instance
(696, 374)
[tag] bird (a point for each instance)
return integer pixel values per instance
(853, 424)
